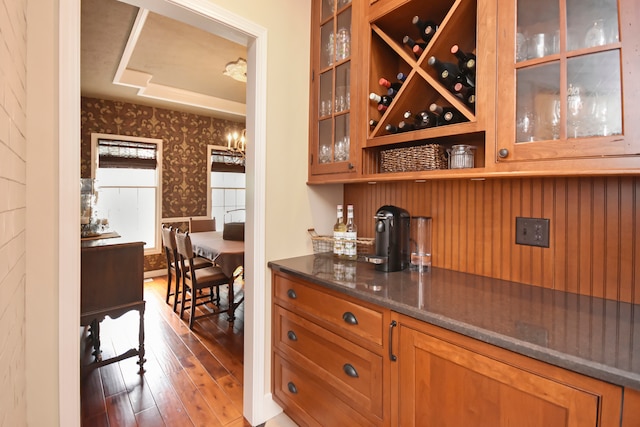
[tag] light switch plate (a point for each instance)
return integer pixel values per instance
(532, 231)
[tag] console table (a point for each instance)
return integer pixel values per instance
(111, 285)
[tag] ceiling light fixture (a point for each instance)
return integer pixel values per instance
(237, 70)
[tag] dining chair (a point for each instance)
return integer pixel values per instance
(198, 225)
(173, 264)
(194, 280)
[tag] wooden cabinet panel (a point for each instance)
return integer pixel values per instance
(308, 401)
(353, 372)
(356, 320)
(631, 410)
(452, 380)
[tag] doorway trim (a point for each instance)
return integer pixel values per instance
(258, 405)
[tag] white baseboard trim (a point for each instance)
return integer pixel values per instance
(154, 273)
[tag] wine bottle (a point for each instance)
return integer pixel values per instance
(466, 62)
(411, 43)
(448, 73)
(350, 236)
(446, 115)
(391, 92)
(391, 128)
(429, 32)
(423, 26)
(401, 77)
(380, 99)
(387, 84)
(339, 230)
(417, 51)
(468, 94)
(373, 123)
(426, 119)
(405, 126)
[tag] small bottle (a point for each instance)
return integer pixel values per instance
(338, 233)
(350, 236)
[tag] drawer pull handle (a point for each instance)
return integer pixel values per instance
(292, 388)
(292, 294)
(392, 356)
(350, 318)
(292, 336)
(350, 370)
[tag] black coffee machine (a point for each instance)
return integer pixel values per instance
(391, 239)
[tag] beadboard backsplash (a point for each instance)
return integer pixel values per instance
(594, 246)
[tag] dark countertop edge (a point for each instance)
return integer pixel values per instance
(580, 365)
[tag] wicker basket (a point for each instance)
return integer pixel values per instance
(325, 243)
(416, 158)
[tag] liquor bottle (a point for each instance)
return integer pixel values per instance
(338, 234)
(466, 63)
(350, 236)
(423, 26)
(380, 99)
(448, 73)
(387, 84)
(446, 115)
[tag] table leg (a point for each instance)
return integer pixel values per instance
(231, 315)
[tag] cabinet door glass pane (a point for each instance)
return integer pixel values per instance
(538, 103)
(326, 94)
(343, 88)
(538, 29)
(327, 45)
(343, 35)
(591, 23)
(341, 149)
(594, 105)
(328, 8)
(325, 141)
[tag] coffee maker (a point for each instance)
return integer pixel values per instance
(392, 229)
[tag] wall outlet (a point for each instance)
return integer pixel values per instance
(532, 231)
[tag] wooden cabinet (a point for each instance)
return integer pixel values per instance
(452, 380)
(554, 89)
(329, 365)
(335, 39)
(562, 67)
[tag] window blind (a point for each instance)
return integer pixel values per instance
(127, 154)
(224, 161)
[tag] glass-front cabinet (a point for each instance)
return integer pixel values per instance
(334, 39)
(567, 70)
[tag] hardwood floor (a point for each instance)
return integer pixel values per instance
(192, 378)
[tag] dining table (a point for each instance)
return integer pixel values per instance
(227, 254)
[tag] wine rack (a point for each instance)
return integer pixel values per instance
(389, 23)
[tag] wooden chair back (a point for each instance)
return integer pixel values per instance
(199, 225)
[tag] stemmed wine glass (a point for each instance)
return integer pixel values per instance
(575, 106)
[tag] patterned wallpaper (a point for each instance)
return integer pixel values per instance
(185, 137)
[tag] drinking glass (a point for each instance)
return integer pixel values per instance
(575, 107)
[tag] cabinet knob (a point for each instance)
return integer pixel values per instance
(503, 153)
(292, 336)
(350, 318)
(292, 388)
(292, 294)
(350, 370)
(350, 166)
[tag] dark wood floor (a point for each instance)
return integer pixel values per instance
(192, 378)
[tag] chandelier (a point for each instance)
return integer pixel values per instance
(235, 149)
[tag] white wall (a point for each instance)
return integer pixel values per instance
(13, 155)
(291, 207)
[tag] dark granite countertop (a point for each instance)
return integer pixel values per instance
(592, 336)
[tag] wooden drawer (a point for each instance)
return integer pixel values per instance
(340, 313)
(354, 372)
(307, 400)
